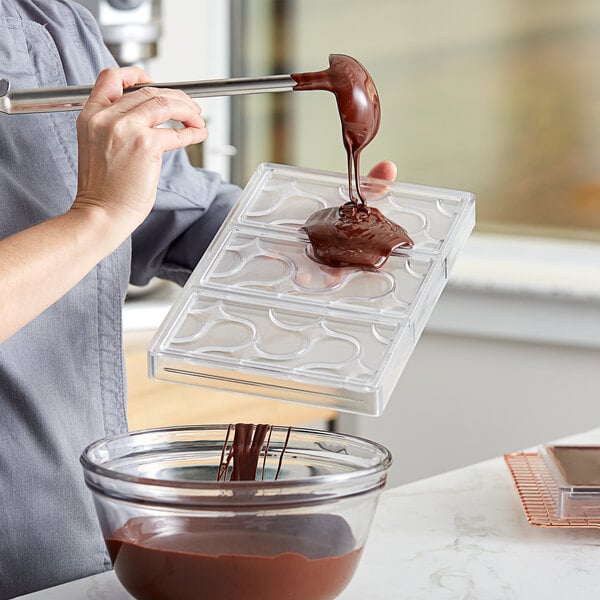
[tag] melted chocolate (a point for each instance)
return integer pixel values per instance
(236, 557)
(358, 106)
(245, 452)
(336, 236)
(297, 557)
(353, 236)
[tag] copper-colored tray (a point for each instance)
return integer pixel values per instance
(538, 492)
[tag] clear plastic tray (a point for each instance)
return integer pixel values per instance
(578, 494)
(259, 316)
(537, 491)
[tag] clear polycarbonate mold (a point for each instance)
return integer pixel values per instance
(259, 316)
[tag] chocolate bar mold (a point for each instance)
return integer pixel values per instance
(258, 315)
(300, 342)
(281, 267)
(285, 199)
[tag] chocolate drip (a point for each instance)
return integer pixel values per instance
(358, 106)
(245, 451)
(356, 234)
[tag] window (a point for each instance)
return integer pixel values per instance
(501, 98)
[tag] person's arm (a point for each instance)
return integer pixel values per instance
(120, 156)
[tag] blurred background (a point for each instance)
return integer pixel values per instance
(501, 98)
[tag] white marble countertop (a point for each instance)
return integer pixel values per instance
(459, 535)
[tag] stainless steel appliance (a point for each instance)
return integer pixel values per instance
(130, 28)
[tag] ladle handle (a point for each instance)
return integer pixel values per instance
(42, 100)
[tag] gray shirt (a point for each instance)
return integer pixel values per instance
(61, 376)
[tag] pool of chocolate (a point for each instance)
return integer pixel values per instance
(351, 236)
(292, 557)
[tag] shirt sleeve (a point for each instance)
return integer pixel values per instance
(190, 207)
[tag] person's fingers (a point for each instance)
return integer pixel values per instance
(136, 115)
(164, 107)
(132, 100)
(150, 107)
(170, 139)
(121, 146)
(385, 169)
(110, 85)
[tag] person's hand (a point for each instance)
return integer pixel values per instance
(385, 169)
(120, 147)
(120, 156)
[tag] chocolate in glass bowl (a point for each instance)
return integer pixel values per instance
(176, 533)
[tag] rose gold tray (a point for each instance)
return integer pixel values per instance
(538, 492)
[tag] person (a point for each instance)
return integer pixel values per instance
(88, 203)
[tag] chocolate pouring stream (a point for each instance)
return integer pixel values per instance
(354, 234)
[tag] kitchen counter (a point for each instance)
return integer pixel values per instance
(459, 535)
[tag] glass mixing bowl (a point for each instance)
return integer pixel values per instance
(174, 532)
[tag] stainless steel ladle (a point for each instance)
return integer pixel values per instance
(57, 99)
